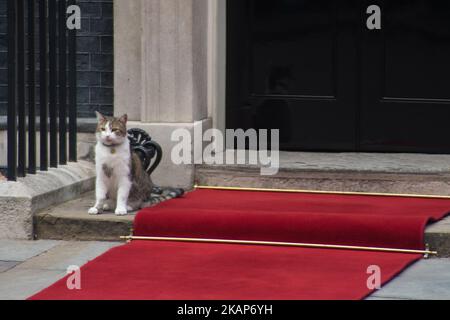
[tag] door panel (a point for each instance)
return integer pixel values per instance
(291, 67)
(406, 87)
(294, 44)
(313, 70)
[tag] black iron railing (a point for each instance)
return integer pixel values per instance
(57, 86)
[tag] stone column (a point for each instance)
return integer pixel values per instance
(161, 78)
(127, 58)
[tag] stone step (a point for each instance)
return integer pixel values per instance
(70, 221)
(437, 236)
(350, 172)
(346, 172)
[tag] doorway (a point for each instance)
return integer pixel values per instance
(315, 71)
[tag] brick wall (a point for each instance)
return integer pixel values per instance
(94, 58)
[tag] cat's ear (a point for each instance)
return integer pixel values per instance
(100, 117)
(124, 119)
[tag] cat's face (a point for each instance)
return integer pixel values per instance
(111, 131)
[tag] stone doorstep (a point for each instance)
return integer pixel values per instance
(437, 236)
(373, 173)
(327, 180)
(70, 221)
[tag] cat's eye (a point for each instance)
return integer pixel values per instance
(103, 129)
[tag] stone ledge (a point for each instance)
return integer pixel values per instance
(54, 227)
(70, 221)
(438, 237)
(20, 200)
(354, 162)
(431, 183)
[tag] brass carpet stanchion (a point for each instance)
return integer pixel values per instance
(426, 196)
(426, 252)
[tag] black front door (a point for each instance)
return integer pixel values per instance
(313, 69)
(406, 79)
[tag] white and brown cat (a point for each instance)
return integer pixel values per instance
(122, 183)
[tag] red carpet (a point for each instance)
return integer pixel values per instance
(161, 270)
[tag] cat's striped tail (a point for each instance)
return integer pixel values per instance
(163, 194)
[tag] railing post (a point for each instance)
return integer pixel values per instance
(12, 93)
(62, 82)
(21, 63)
(31, 89)
(72, 92)
(53, 89)
(55, 60)
(43, 83)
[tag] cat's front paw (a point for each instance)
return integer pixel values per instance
(93, 211)
(121, 212)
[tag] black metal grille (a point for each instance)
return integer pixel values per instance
(57, 86)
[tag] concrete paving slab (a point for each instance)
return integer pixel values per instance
(378, 298)
(6, 265)
(12, 250)
(20, 284)
(25, 279)
(425, 280)
(67, 254)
